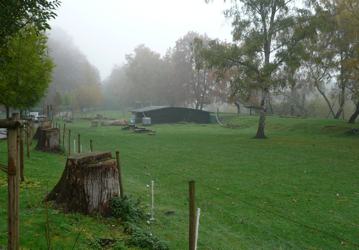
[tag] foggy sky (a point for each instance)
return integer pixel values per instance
(107, 30)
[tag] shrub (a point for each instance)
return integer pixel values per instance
(127, 209)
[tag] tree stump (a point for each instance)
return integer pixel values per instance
(43, 125)
(48, 140)
(87, 185)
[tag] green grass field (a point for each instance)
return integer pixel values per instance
(298, 189)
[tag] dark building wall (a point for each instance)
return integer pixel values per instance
(173, 115)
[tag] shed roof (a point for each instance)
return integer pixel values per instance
(148, 108)
(151, 108)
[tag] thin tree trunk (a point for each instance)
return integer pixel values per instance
(355, 115)
(341, 100)
(204, 89)
(238, 106)
(292, 100)
(326, 100)
(262, 116)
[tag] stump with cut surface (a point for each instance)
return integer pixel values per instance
(48, 140)
(87, 185)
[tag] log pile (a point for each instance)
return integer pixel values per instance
(88, 183)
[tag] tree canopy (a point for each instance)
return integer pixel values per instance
(25, 76)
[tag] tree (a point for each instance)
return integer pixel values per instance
(348, 21)
(88, 96)
(259, 48)
(73, 74)
(26, 74)
(16, 15)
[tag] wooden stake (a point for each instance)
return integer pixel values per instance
(78, 144)
(22, 154)
(28, 140)
(119, 174)
(59, 127)
(192, 216)
(13, 187)
(69, 140)
(63, 136)
(91, 147)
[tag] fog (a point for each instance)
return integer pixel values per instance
(105, 31)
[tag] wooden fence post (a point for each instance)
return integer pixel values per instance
(27, 131)
(63, 136)
(192, 216)
(91, 146)
(119, 174)
(21, 134)
(13, 187)
(78, 144)
(69, 146)
(59, 127)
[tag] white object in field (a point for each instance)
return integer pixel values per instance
(74, 146)
(146, 121)
(81, 148)
(197, 227)
(152, 200)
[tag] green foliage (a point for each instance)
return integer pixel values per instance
(127, 209)
(144, 239)
(15, 15)
(26, 73)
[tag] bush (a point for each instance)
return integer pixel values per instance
(142, 239)
(127, 209)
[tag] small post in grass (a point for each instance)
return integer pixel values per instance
(69, 141)
(152, 200)
(78, 144)
(91, 146)
(119, 173)
(192, 216)
(197, 225)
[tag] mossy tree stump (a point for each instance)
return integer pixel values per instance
(48, 140)
(87, 185)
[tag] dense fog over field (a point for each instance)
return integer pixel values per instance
(108, 30)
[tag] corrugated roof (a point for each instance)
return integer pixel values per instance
(149, 108)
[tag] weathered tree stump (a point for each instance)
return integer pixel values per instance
(42, 125)
(88, 183)
(48, 140)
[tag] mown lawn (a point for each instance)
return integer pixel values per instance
(298, 189)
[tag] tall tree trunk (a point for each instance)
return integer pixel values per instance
(262, 116)
(238, 106)
(355, 115)
(341, 95)
(204, 89)
(292, 93)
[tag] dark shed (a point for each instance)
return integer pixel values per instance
(164, 114)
